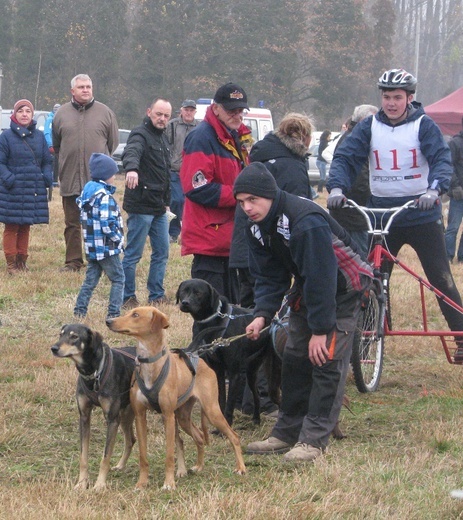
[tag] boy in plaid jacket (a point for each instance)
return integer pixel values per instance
(103, 235)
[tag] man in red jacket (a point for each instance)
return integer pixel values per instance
(213, 156)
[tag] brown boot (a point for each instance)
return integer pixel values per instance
(21, 263)
(11, 266)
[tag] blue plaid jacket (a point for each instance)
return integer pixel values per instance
(101, 220)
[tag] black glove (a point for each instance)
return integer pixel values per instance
(335, 199)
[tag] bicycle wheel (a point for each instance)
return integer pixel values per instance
(368, 345)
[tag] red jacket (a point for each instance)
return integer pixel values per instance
(211, 163)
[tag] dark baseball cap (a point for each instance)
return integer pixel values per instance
(231, 96)
(189, 103)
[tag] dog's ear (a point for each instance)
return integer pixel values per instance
(215, 296)
(96, 339)
(158, 319)
(177, 295)
(164, 321)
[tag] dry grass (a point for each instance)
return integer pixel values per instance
(401, 458)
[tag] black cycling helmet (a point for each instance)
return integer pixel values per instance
(397, 78)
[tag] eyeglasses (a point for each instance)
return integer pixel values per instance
(233, 112)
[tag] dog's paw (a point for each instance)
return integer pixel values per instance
(141, 485)
(168, 486)
(82, 484)
(182, 473)
(197, 469)
(240, 471)
(99, 486)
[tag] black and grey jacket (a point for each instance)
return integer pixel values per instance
(147, 152)
(285, 158)
(299, 238)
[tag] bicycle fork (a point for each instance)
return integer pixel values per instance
(383, 292)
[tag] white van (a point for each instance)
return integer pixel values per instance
(259, 120)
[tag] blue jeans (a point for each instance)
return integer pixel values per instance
(454, 221)
(322, 169)
(138, 228)
(112, 266)
(177, 202)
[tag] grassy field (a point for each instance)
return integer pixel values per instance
(401, 458)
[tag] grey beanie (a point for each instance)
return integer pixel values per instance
(256, 180)
(102, 167)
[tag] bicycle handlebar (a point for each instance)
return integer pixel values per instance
(373, 212)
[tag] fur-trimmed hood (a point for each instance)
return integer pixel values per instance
(277, 145)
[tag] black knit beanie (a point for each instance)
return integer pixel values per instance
(256, 180)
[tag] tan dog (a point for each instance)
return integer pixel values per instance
(178, 392)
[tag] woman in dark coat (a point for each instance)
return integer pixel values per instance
(25, 174)
(284, 153)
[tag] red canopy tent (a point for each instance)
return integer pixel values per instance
(448, 112)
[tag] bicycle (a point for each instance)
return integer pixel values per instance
(375, 322)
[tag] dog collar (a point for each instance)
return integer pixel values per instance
(97, 373)
(151, 359)
(216, 314)
(99, 377)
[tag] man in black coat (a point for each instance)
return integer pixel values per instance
(146, 160)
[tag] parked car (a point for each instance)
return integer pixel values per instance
(117, 155)
(313, 171)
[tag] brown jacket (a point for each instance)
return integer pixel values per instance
(77, 133)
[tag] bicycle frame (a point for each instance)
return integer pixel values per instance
(379, 254)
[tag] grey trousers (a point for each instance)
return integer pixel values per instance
(312, 396)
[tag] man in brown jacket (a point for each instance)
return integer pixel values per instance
(81, 127)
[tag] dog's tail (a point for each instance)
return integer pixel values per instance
(205, 427)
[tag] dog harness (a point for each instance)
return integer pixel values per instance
(219, 331)
(199, 347)
(152, 394)
(101, 375)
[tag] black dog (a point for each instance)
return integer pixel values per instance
(105, 377)
(216, 318)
